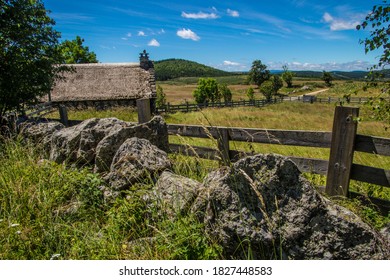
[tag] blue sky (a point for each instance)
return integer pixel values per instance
(229, 35)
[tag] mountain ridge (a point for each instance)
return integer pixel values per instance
(172, 68)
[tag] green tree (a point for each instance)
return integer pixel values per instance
(74, 52)
(271, 87)
(378, 22)
(207, 91)
(258, 73)
(225, 92)
(327, 78)
(250, 93)
(287, 76)
(277, 83)
(267, 89)
(29, 53)
(161, 99)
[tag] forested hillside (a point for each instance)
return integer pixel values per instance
(175, 68)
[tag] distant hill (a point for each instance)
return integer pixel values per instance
(176, 68)
(179, 68)
(339, 75)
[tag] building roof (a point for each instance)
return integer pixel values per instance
(105, 81)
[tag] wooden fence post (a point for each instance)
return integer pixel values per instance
(63, 115)
(223, 145)
(341, 150)
(144, 112)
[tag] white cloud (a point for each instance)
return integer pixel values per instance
(187, 34)
(230, 63)
(141, 33)
(233, 13)
(128, 35)
(340, 24)
(162, 31)
(357, 65)
(199, 15)
(154, 43)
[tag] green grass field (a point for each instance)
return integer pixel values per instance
(49, 210)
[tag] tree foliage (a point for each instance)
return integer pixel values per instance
(287, 76)
(271, 87)
(29, 53)
(258, 73)
(250, 93)
(225, 92)
(378, 22)
(176, 68)
(74, 52)
(267, 89)
(161, 99)
(207, 91)
(327, 78)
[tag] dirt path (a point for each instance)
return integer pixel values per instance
(315, 92)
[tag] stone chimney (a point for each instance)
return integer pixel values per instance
(144, 61)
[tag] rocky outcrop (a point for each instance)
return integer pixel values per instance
(41, 133)
(262, 207)
(136, 160)
(155, 131)
(175, 194)
(95, 141)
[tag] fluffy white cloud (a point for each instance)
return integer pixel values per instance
(230, 63)
(154, 43)
(340, 24)
(199, 15)
(357, 65)
(141, 33)
(233, 13)
(187, 34)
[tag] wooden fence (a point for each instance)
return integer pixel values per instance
(342, 141)
(329, 100)
(191, 107)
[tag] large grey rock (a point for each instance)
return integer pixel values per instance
(155, 131)
(90, 138)
(136, 160)
(41, 133)
(175, 194)
(262, 207)
(77, 144)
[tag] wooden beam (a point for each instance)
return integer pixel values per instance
(341, 151)
(144, 110)
(223, 145)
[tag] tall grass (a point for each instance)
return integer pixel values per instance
(49, 211)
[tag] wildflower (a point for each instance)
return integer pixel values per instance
(55, 256)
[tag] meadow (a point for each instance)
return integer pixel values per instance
(50, 211)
